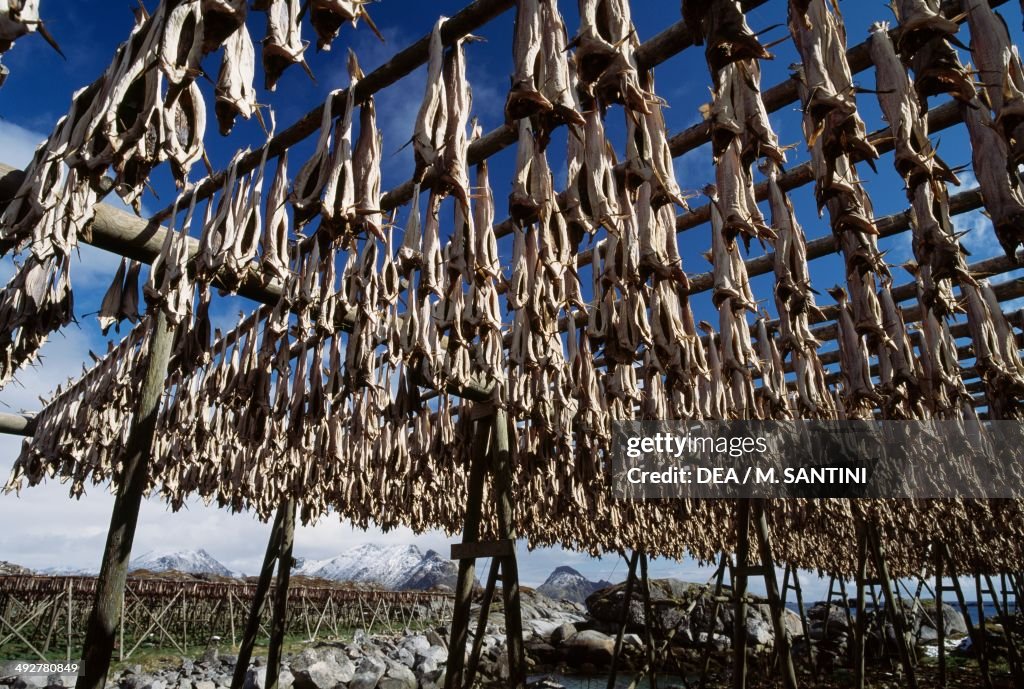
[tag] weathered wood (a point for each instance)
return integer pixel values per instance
(280, 610)
(467, 568)
(739, 631)
(717, 600)
(481, 623)
(634, 560)
(860, 625)
(252, 625)
(16, 424)
(503, 479)
(109, 600)
(778, 609)
(894, 608)
(472, 551)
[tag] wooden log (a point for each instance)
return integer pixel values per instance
(109, 599)
(503, 481)
(467, 568)
(17, 424)
(860, 624)
(252, 625)
(717, 600)
(481, 624)
(894, 607)
(634, 559)
(739, 630)
(778, 609)
(473, 551)
(278, 622)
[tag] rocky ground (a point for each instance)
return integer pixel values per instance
(560, 636)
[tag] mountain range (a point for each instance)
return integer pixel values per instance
(394, 567)
(565, 583)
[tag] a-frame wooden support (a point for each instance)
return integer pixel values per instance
(108, 603)
(279, 552)
(491, 452)
(791, 582)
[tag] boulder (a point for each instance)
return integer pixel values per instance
(952, 620)
(589, 646)
(562, 632)
(368, 673)
(321, 668)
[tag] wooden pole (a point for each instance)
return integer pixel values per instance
(467, 567)
(252, 625)
(739, 630)
(645, 583)
(630, 579)
(481, 624)
(895, 608)
(860, 624)
(771, 582)
(108, 602)
(280, 618)
(940, 620)
(509, 567)
(715, 606)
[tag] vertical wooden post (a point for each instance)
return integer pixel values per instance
(895, 608)
(252, 625)
(630, 579)
(481, 625)
(940, 620)
(778, 610)
(70, 613)
(715, 606)
(280, 616)
(648, 621)
(108, 603)
(467, 567)
(860, 623)
(739, 631)
(509, 567)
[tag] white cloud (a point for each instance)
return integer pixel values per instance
(17, 144)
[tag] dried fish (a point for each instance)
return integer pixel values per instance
(221, 20)
(327, 16)
(605, 60)
(283, 45)
(312, 177)
(274, 244)
(235, 94)
(432, 119)
(722, 25)
(181, 46)
(454, 177)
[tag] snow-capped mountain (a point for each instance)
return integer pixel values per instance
(393, 567)
(565, 583)
(69, 571)
(186, 561)
(431, 572)
(11, 569)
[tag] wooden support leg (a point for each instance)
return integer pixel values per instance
(782, 646)
(715, 607)
(280, 616)
(895, 609)
(739, 632)
(481, 625)
(1003, 614)
(108, 602)
(252, 625)
(972, 630)
(648, 621)
(860, 623)
(940, 622)
(630, 579)
(509, 567)
(467, 567)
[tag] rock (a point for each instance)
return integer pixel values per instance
(187, 666)
(398, 677)
(321, 668)
(415, 644)
(210, 656)
(589, 646)
(952, 620)
(204, 684)
(435, 639)
(562, 632)
(541, 651)
(367, 673)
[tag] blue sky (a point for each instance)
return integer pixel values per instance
(56, 531)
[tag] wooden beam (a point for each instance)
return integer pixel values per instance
(472, 551)
(279, 620)
(252, 625)
(467, 568)
(503, 482)
(109, 599)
